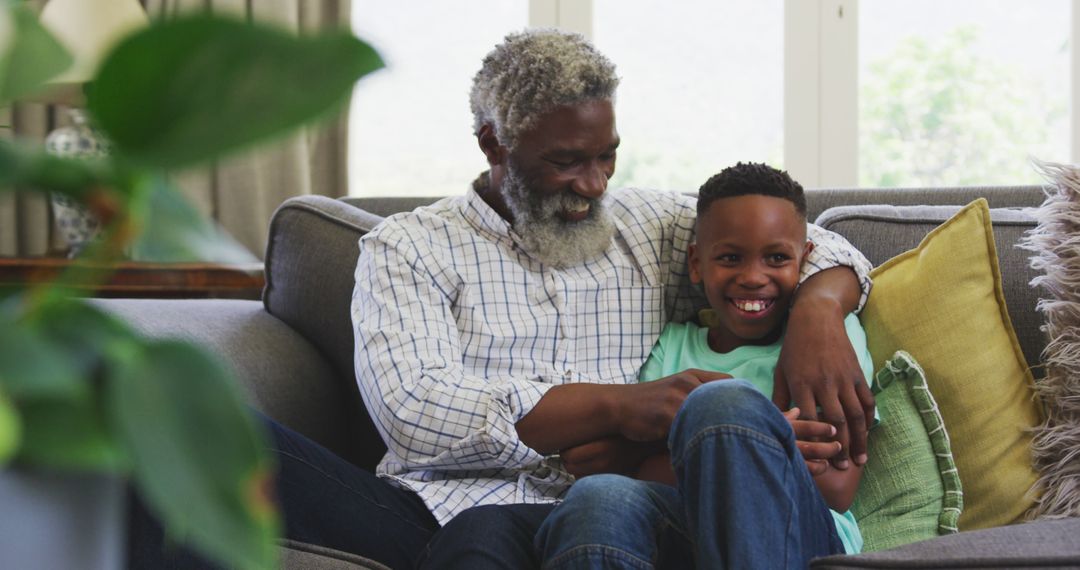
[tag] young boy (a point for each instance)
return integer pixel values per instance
(750, 244)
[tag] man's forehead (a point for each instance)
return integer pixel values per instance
(573, 126)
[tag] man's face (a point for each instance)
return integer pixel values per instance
(748, 254)
(555, 179)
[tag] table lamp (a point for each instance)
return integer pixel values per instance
(88, 29)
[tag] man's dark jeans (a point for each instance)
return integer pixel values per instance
(325, 500)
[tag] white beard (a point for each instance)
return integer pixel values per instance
(546, 236)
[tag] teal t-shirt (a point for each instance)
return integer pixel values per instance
(683, 346)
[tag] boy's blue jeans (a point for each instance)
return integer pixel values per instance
(745, 498)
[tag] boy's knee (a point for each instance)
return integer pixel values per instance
(603, 510)
(726, 402)
(726, 398)
(600, 497)
(603, 501)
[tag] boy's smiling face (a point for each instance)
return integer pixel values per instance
(747, 257)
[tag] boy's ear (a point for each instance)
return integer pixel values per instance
(695, 275)
(489, 144)
(807, 248)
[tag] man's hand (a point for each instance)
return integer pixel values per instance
(646, 409)
(818, 368)
(814, 440)
(612, 454)
(571, 415)
(657, 468)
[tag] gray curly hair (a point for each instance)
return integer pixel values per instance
(532, 72)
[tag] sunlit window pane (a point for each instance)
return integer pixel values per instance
(410, 127)
(961, 92)
(702, 86)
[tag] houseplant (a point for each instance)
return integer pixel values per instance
(81, 391)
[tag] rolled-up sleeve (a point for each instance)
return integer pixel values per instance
(832, 250)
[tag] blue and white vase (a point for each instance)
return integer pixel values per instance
(77, 225)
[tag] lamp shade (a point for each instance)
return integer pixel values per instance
(89, 29)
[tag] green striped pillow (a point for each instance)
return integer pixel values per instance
(910, 489)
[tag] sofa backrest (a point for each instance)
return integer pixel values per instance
(312, 250)
(820, 199)
(817, 199)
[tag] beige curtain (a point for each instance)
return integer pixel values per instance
(25, 223)
(240, 193)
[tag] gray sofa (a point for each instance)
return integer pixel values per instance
(292, 351)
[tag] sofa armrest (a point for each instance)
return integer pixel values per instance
(1042, 544)
(281, 373)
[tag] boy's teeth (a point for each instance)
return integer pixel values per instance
(751, 306)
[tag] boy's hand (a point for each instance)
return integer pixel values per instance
(645, 410)
(814, 440)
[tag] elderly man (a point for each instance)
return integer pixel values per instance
(496, 329)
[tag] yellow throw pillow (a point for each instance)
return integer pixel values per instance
(943, 302)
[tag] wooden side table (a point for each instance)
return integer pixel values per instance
(144, 280)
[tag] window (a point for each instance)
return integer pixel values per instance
(839, 92)
(702, 86)
(410, 125)
(961, 92)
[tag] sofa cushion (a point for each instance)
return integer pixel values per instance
(943, 303)
(310, 260)
(882, 232)
(909, 490)
(1043, 544)
(280, 372)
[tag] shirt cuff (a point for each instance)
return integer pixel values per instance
(511, 401)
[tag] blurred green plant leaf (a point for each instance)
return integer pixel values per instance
(33, 366)
(10, 429)
(32, 169)
(90, 334)
(197, 87)
(198, 456)
(70, 434)
(50, 363)
(174, 231)
(31, 57)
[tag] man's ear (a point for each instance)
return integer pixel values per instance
(695, 275)
(489, 144)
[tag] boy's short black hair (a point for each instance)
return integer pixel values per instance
(751, 178)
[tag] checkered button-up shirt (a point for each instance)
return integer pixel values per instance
(459, 333)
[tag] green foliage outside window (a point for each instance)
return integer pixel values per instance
(938, 114)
